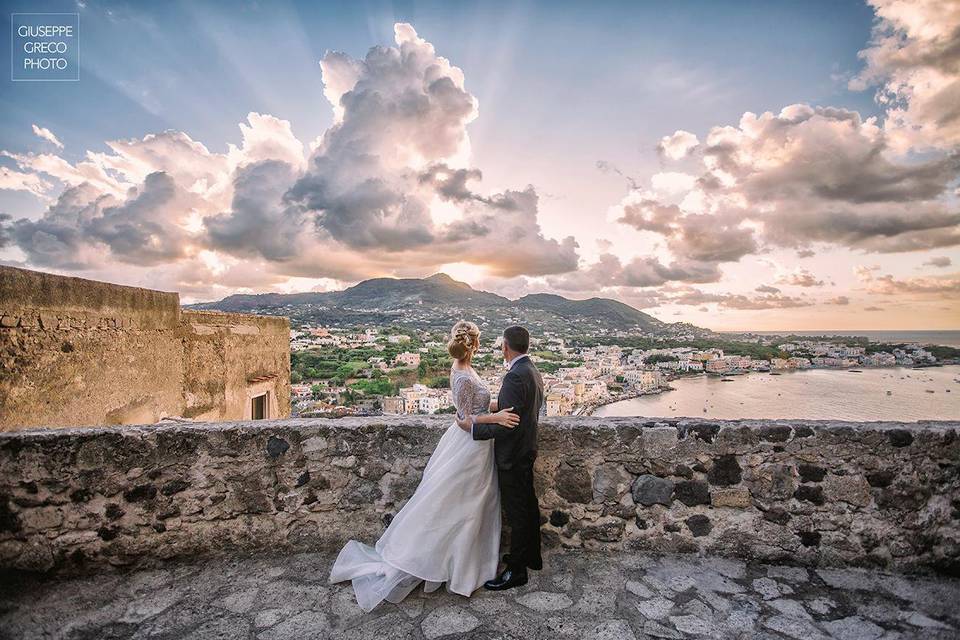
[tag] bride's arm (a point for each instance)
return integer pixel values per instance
(503, 418)
(493, 406)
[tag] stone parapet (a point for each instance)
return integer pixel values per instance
(814, 493)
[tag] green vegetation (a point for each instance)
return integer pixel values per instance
(734, 348)
(379, 387)
(660, 357)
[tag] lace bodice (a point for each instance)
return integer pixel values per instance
(470, 394)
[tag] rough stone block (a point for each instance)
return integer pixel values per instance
(773, 481)
(725, 471)
(657, 441)
(699, 525)
(610, 481)
(737, 498)
(648, 490)
(852, 489)
(811, 472)
(573, 484)
(809, 493)
(692, 492)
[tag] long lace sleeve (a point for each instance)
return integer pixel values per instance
(464, 395)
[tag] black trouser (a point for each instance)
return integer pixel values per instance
(519, 500)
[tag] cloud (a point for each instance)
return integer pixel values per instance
(363, 203)
(938, 261)
(873, 308)
(258, 223)
(765, 288)
(84, 226)
(804, 175)
(696, 297)
(800, 278)
(914, 61)
(677, 145)
(700, 243)
(14, 180)
(608, 271)
(947, 286)
(839, 300)
(47, 135)
(806, 253)
(399, 143)
(5, 238)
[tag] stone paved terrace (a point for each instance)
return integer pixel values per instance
(579, 594)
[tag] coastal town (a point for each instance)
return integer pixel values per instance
(371, 371)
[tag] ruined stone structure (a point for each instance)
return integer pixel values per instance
(81, 352)
(881, 495)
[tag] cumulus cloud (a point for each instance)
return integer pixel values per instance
(14, 180)
(701, 242)
(839, 300)
(947, 286)
(800, 278)
(939, 262)
(804, 175)
(608, 271)
(696, 297)
(363, 202)
(914, 62)
(677, 145)
(46, 134)
(765, 288)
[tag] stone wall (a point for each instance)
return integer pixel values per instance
(806, 492)
(81, 352)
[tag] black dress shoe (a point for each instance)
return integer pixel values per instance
(507, 580)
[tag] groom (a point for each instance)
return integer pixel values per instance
(515, 450)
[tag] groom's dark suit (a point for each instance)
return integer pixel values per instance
(515, 450)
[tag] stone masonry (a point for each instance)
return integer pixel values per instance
(825, 494)
(82, 352)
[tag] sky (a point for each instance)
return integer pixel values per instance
(737, 165)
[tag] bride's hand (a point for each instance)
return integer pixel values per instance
(506, 419)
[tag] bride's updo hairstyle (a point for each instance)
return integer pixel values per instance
(464, 340)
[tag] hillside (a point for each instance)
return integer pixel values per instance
(438, 301)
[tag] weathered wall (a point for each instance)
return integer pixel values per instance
(228, 357)
(75, 351)
(809, 492)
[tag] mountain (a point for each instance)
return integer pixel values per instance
(438, 301)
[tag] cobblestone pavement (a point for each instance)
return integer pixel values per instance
(577, 595)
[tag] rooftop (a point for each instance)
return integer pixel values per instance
(577, 595)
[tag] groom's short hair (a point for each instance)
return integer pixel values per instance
(517, 338)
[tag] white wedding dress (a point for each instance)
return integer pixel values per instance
(448, 531)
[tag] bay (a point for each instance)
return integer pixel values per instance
(814, 394)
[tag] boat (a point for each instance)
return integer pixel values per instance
(889, 393)
(774, 373)
(726, 379)
(929, 390)
(855, 370)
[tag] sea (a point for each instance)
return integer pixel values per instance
(896, 393)
(944, 338)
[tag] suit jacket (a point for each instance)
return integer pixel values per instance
(522, 389)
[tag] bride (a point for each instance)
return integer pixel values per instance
(449, 530)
